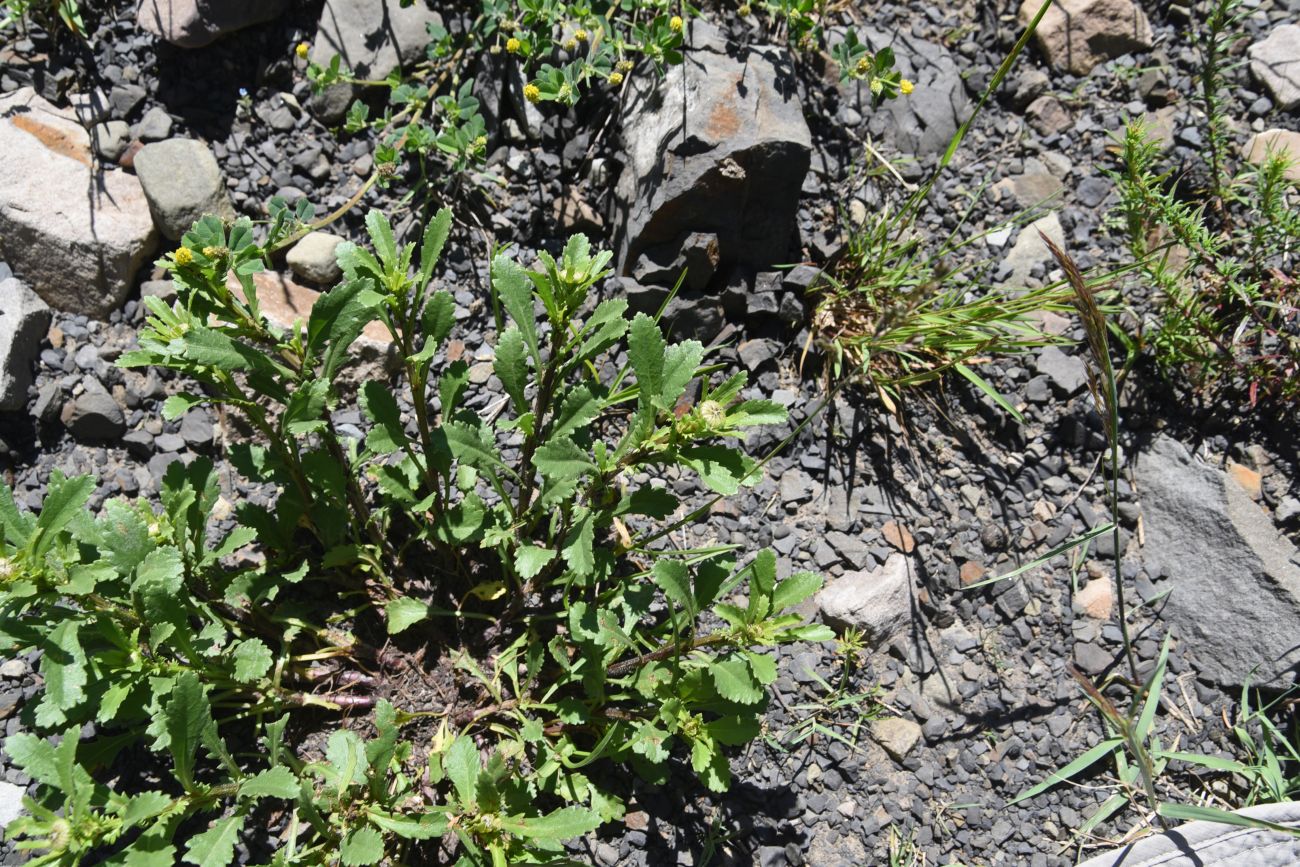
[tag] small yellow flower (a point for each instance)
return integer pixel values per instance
(532, 92)
(513, 45)
(570, 44)
(877, 86)
(743, 10)
(301, 50)
(480, 142)
(182, 256)
(213, 252)
(616, 78)
(863, 67)
(581, 35)
(675, 24)
(906, 86)
(625, 66)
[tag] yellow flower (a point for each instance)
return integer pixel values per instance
(301, 50)
(212, 252)
(744, 10)
(532, 92)
(906, 86)
(625, 66)
(877, 86)
(864, 66)
(616, 78)
(570, 44)
(182, 256)
(675, 24)
(480, 142)
(513, 45)
(581, 35)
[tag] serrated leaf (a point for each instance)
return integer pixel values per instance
(603, 329)
(577, 550)
(645, 347)
(420, 827)
(305, 411)
(460, 765)
(63, 502)
(562, 824)
(379, 405)
(451, 387)
(530, 560)
(435, 238)
(561, 459)
(651, 741)
(362, 846)
(337, 319)
(185, 716)
(145, 806)
(178, 404)
(681, 360)
(34, 755)
(63, 668)
(734, 731)
(278, 782)
(719, 467)
(470, 447)
(252, 660)
(580, 407)
(750, 413)
(795, 589)
(438, 320)
(673, 577)
(404, 612)
(649, 501)
(511, 284)
(215, 847)
(347, 756)
(381, 237)
(763, 666)
(734, 680)
(511, 367)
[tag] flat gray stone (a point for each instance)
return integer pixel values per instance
(1029, 249)
(110, 139)
(1069, 373)
(373, 37)
(878, 602)
(194, 23)
(94, 416)
(24, 319)
(75, 234)
(1236, 592)
(182, 183)
(1196, 844)
(1275, 61)
(11, 802)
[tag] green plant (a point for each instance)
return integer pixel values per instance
(565, 639)
(19, 11)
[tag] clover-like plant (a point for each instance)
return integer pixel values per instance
(478, 579)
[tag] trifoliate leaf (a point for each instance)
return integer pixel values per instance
(252, 660)
(404, 612)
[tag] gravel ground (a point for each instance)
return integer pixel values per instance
(974, 703)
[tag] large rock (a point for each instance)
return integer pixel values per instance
(1275, 61)
(925, 121)
(878, 602)
(75, 234)
(195, 23)
(24, 319)
(373, 37)
(182, 182)
(718, 146)
(1282, 142)
(1236, 593)
(1197, 844)
(1076, 35)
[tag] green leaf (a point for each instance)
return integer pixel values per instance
(337, 319)
(145, 806)
(362, 846)
(763, 666)
(562, 824)
(530, 560)
(452, 385)
(469, 446)
(605, 327)
(795, 589)
(424, 826)
(460, 764)
(511, 367)
(562, 459)
(723, 469)
(64, 669)
(1193, 813)
(673, 577)
(252, 660)
(581, 406)
(185, 716)
(347, 756)
(438, 319)
(654, 502)
(762, 583)
(63, 502)
(734, 731)
(211, 348)
(380, 406)
(178, 404)
(681, 361)
(435, 237)
(1081, 763)
(735, 681)
(511, 284)
(577, 550)
(645, 345)
(381, 237)
(17, 525)
(278, 782)
(988, 389)
(305, 411)
(404, 612)
(35, 756)
(215, 847)
(750, 413)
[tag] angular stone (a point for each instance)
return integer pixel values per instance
(878, 602)
(1276, 141)
(373, 37)
(195, 23)
(312, 258)
(182, 182)
(74, 234)
(1194, 844)
(1236, 589)
(94, 416)
(111, 139)
(1069, 373)
(1275, 61)
(719, 146)
(897, 736)
(24, 319)
(1030, 250)
(1076, 35)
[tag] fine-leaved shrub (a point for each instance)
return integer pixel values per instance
(432, 643)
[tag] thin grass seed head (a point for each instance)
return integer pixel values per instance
(1094, 325)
